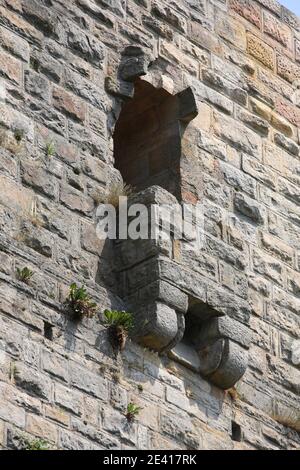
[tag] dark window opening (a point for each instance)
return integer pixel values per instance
(147, 140)
(48, 331)
(236, 432)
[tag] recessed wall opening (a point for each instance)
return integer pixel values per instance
(147, 141)
(48, 331)
(186, 351)
(236, 432)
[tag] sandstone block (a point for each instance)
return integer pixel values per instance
(248, 10)
(10, 68)
(33, 382)
(249, 208)
(11, 413)
(14, 44)
(55, 365)
(287, 69)
(41, 427)
(69, 104)
(37, 85)
(287, 144)
(231, 30)
(88, 382)
(277, 30)
(68, 399)
(261, 51)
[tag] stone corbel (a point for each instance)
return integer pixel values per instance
(217, 347)
(223, 351)
(160, 316)
(133, 64)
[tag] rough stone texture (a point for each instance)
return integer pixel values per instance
(230, 134)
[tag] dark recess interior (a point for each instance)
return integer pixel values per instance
(147, 141)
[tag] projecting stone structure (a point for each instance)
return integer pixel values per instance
(190, 102)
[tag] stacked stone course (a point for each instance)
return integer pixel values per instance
(60, 85)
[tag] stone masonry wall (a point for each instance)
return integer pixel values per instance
(60, 97)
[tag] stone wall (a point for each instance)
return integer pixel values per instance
(65, 72)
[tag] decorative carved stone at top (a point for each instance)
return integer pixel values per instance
(134, 63)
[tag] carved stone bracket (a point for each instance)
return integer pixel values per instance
(157, 290)
(223, 346)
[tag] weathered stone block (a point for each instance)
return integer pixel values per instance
(42, 17)
(278, 247)
(14, 44)
(170, 52)
(68, 399)
(231, 30)
(259, 125)
(287, 144)
(277, 30)
(10, 68)
(84, 45)
(69, 104)
(249, 208)
(248, 10)
(287, 69)
(94, 434)
(76, 201)
(268, 266)
(34, 175)
(67, 441)
(42, 428)
(259, 172)
(116, 423)
(261, 51)
(97, 12)
(55, 365)
(168, 15)
(237, 135)
(37, 85)
(33, 382)
(88, 382)
(11, 413)
(180, 429)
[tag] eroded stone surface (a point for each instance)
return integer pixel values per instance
(67, 72)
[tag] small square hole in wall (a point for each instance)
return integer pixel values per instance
(236, 432)
(48, 331)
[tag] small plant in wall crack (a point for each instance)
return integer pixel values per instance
(117, 190)
(80, 302)
(50, 149)
(132, 411)
(24, 275)
(119, 324)
(36, 444)
(19, 134)
(13, 371)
